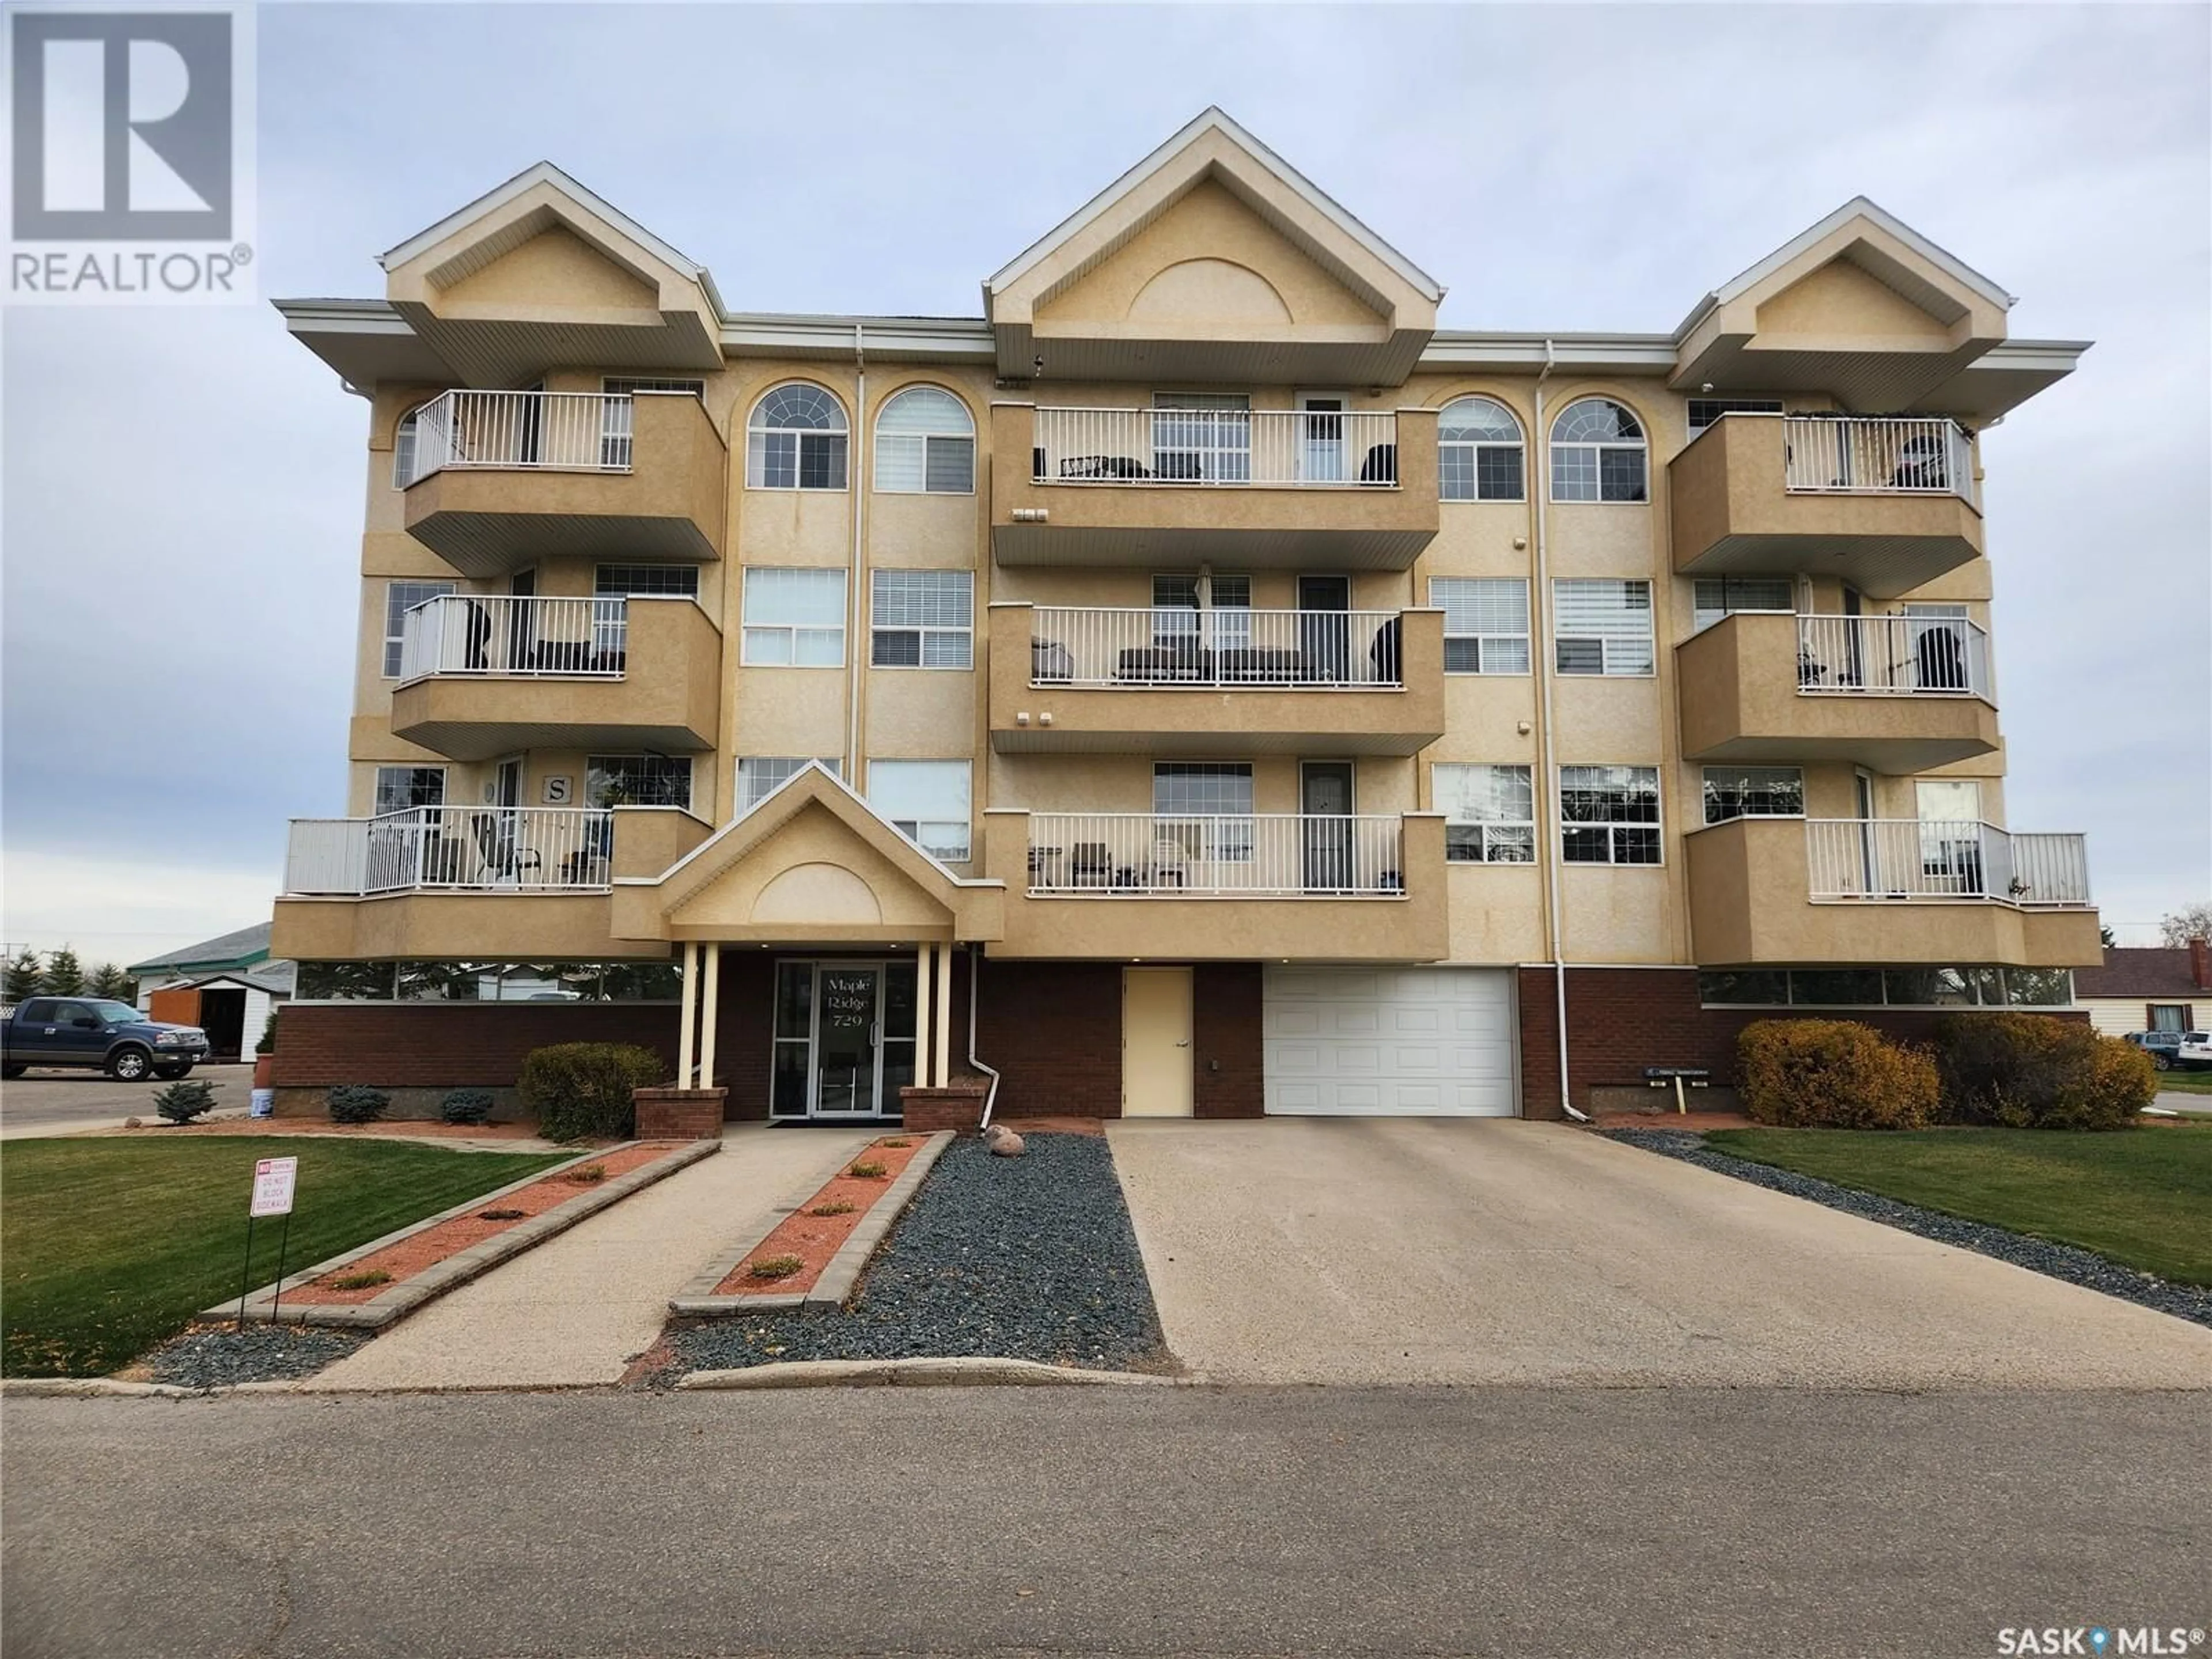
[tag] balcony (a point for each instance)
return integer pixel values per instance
(1259, 489)
(483, 675)
(499, 480)
(1885, 504)
(1242, 887)
(1892, 694)
(1215, 681)
(431, 881)
(1780, 892)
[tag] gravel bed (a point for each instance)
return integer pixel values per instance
(1023, 1258)
(2066, 1261)
(218, 1355)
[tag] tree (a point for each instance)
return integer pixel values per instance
(2189, 922)
(64, 976)
(24, 974)
(109, 981)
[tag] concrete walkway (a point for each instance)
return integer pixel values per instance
(1385, 1251)
(580, 1308)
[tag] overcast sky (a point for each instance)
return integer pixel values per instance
(183, 504)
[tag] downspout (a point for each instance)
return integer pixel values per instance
(1540, 483)
(857, 480)
(974, 996)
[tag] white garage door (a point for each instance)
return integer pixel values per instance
(1389, 1041)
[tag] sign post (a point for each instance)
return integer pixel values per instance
(274, 1180)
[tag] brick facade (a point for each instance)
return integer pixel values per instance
(1225, 1041)
(679, 1113)
(449, 1045)
(1052, 1031)
(1620, 1020)
(958, 1105)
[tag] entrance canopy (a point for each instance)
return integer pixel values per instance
(814, 863)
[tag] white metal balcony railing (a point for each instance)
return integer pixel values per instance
(1277, 447)
(1240, 855)
(1913, 859)
(494, 634)
(568, 431)
(1141, 649)
(1893, 656)
(1877, 456)
(453, 850)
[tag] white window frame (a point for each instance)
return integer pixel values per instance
(927, 438)
(395, 616)
(686, 577)
(1474, 447)
(1496, 840)
(757, 432)
(1718, 409)
(1440, 590)
(1619, 640)
(406, 434)
(1705, 790)
(1218, 837)
(1220, 609)
(958, 638)
(757, 636)
(1597, 448)
(377, 807)
(1702, 616)
(754, 789)
(1616, 827)
(597, 763)
(946, 839)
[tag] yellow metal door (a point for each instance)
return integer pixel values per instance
(1156, 1028)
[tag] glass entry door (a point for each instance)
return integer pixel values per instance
(844, 1039)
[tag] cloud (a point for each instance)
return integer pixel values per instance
(112, 911)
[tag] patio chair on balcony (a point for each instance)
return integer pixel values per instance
(1380, 466)
(1051, 663)
(1922, 464)
(1940, 658)
(500, 856)
(478, 636)
(1089, 864)
(1168, 857)
(1170, 656)
(1385, 653)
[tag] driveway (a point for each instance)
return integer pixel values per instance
(1387, 1251)
(59, 1103)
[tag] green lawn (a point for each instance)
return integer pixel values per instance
(2195, 1082)
(108, 1246)
(2139, 1196)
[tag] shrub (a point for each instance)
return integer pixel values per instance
(1834, 1074)
(268, 1043)
(465, 1106)
(356, 1102)
(834, 1206)
(580, 1088)
(867, 1169)
(2031, 1072)
(586, 1174)
(181, 1103)
(776, 1266)
(360, 1281)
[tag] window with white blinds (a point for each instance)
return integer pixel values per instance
(1600, 625)
(926, 801)
(1486, 624)
(923, 619)
(760, 776)
(926, 444)
(795, 619)
(1490, 813)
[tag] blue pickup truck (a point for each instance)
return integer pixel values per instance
(97, 1032)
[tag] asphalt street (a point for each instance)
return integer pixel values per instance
(55, 1101)
(1108, 1521)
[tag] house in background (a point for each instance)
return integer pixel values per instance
(229, 986)
(2167, 988)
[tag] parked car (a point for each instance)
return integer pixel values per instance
(2166, 1049)
(97, 1032)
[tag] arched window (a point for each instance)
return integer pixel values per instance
(403, 448)
(796, 440)
(1479, 457)
(1598, 453)
(926, 444)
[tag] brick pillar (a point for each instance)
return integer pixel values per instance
(679, 1113)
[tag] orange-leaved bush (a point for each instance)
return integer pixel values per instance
(1834, 1074)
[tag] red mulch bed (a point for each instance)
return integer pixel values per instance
(1670, 1119)
(814, 1239)
(410, 1255)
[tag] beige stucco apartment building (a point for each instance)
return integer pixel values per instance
(1200, 685)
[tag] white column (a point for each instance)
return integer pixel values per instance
(943, 1014)
(690, 1011)
(711, 1002)
(924, 1072)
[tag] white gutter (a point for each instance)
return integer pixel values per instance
(855, 476)
(1540, 485)
(974, 996)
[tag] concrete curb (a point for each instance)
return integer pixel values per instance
(922, 1374)
(698, 1300)
(90, 1388)
(433, 1282)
